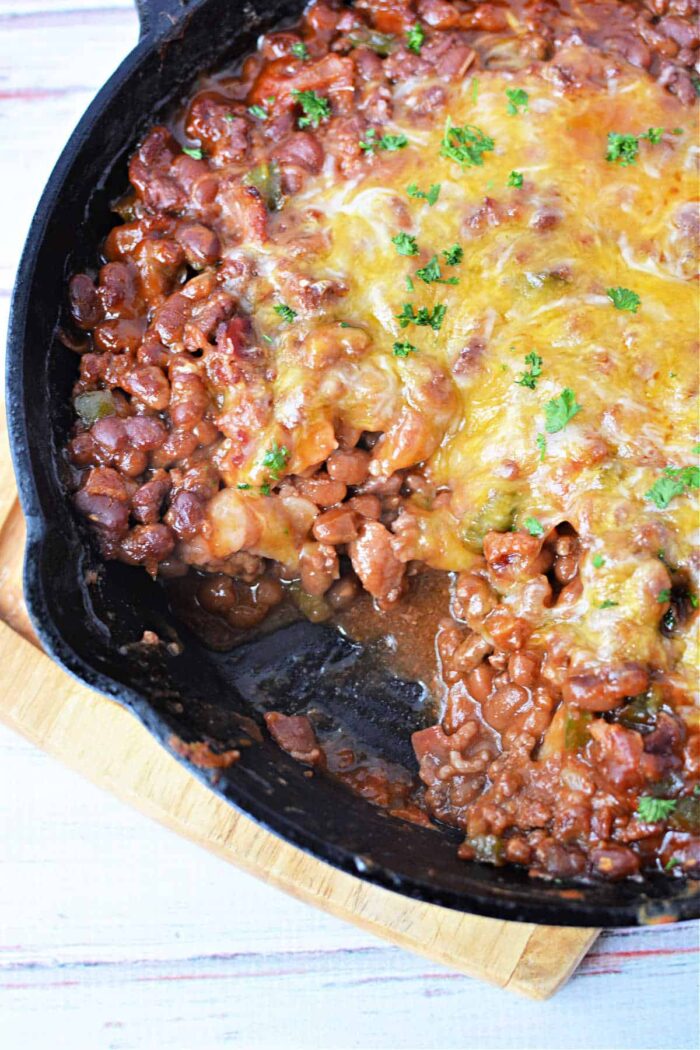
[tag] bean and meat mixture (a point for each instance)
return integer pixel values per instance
(412, 294)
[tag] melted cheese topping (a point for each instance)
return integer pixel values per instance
(537, 263)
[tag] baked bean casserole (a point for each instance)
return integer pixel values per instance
(398, 328)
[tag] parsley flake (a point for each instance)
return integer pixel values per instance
(541, 445)
(622, 149)
(286, 313)
(598, 561)
(425, 318)
(265, 489)
(431, 273)
(193, 151)
(393, 142)
(409, 283)
(674, 481)
(534, 527)
(405, 244)
(316, 108)
(608, 604)
(431, 196)
(653, 135)
(652, 810)
(515, 180)
(560, 410)
(518, 101)
(403, 349)
(623, 299)
(453, 255)
(415, 38)
(242, 485)
(258, 111)
(664, 595)
(275, 459)
(465, 145)
(529, 378)
(300, 51)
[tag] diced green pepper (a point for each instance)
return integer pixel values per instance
(94, 405)
(576, 733)
(686, 815)
(641, 712)
(266, 179)
(382, 43)
(487, 848)
(497, 513)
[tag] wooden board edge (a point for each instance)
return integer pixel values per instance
(138, 770)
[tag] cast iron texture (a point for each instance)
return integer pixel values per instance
(91, 629)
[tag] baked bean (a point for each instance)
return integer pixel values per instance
(335, 526)
(350, 467)
(321, 489)
(367, 506)
(319, 567)
(341, 594)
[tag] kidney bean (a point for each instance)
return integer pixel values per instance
(110, 516)
(145, 432)
(350, 467)
(321, 489)
(375, 563)
(148, 385)
(342, 593)
(367, 506)
(132, 462)
(185, 515)
(147, 545)
(335, 526)
(85, 306)
(614, 862)
(200, 244)
(147, 500)
(473, 599)
(318, 564)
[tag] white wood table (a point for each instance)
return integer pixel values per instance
(117, 935)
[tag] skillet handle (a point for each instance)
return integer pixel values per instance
(157, 17)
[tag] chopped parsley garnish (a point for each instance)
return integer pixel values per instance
(598, 561)
(242, 485)
(404, 348)
(286, 312)
(193, 151)
(673, 482)
(265, 489)
(425, 318)
(518, 100)
(696, 449)
(275, 459)
(541, 445)
(415, 38)
(534, 527)
(560, 410)
(475, 89)
(431, 196)
(694, 600)
(431, 274)
(316, 108)
(529, 378)
(608, 604)
(624, 149)
(300, 50)
(387, 142)
(664, 595)
(453, 255)
(409, 283)
(405, 244)
(515, 180)
(672, 863)
(258, 111)
(465, 145)
(651, 810)
(393, 142)
(623, 299)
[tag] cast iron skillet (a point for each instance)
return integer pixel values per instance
(90, 628)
